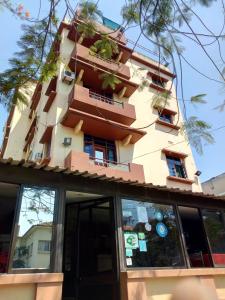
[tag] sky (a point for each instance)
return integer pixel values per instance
(212, 161)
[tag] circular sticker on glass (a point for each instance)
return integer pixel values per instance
(148, 226)
(159, 216)
(161, 229)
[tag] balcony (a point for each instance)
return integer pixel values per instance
(115, 34)
(83, 53)
(100, 127)
(35, 98)
(96, 104)
(51, 93)
(159, 88)
(91, 75)
(82, 162)
(33, 124)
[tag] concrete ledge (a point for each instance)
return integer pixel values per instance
(30, 278)
(173, 273)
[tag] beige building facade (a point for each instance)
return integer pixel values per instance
(147, 142)
(98, 193)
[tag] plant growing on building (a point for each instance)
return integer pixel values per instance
(109, 80)
(105, 47)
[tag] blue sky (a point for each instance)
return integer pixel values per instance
(212, 162)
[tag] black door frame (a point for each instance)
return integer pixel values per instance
(115, 246)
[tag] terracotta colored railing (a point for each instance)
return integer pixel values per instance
(104, 98)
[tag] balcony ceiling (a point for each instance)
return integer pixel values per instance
(92, 80)
(100, 127)
(47, 135)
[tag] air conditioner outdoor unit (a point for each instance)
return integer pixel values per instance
(68, 76)
(67, 141)
(38, 156)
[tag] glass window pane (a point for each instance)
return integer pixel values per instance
(165, 117)
(8, 198)
(88, 148)
(150, 235)
(111, 155)
(214, 226)
(33, 243)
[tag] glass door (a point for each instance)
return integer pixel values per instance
(89, 251)
(195, 237)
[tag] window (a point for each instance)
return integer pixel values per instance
(103, 151)
(30, 249)
(8, 197)
(215, 230)
(176, 167)
(166, 117)
(44, 246)
(158, 81)
(36, 215)
(150, 235)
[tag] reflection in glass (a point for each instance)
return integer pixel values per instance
(150, 235)
(33, 243)
(8, 194)
(214, 226)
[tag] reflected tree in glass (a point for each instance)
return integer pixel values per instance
(215, 229)
(34, 227)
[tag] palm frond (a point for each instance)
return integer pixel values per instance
(198, 99)
(197, 132)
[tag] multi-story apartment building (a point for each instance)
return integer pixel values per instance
(71, 121)
(98, 193)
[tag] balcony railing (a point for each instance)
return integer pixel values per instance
(110, 164)
(105, 99)
(110, 61)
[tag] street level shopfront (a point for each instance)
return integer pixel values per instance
(70, 235)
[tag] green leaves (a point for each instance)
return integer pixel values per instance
(89, 10)
(29, 63)
(49, 69)
(198, 99)
(105, 47)
(197, 132)
(109, 80)
(130, 14)
(160, 100)
(87, 30)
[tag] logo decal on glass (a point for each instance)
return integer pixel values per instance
(159, 216)
(148, 226)
(131, 240)
(161, 229)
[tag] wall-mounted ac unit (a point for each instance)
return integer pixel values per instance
(67, 141)
(38, 156)
(68, 76)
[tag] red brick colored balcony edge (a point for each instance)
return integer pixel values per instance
(80, 161)
(50, 100)
(159, 88)
(181, 180)
(163, 123)
(174, 153)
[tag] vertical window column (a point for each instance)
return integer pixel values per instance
(34, 229)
